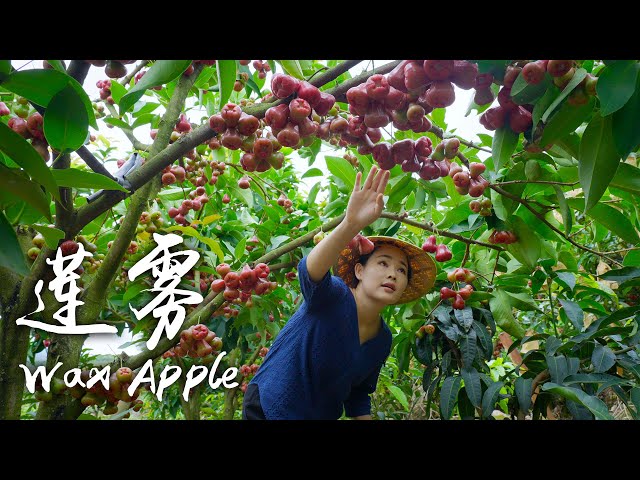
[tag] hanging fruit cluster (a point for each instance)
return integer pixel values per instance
(294, 121)
(459, 296)
(427, 329)
(96, 395)
(482, 207)
(443, 254)
(469, 182)
(148, 222)
(27, 125)
(233, 124)
(506, 237)
(238, 286)
(362, 243)
(196, 341)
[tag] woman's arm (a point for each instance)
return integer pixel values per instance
(364, 207)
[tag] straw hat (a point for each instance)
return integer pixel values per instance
(423, 268)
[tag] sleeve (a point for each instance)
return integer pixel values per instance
(318, 294)
(359, 402)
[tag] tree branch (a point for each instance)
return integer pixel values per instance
(444, 233)
(544, 220)
(438, 132)
(137, 144)
(340, 91)
(93, 163)
(95, 293)
(333, 73)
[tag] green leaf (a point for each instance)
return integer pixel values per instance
(51, 235)
(57, 64)
(602, 358)
(66, 124)
(490, 397)
(213, 244)
(541, 105)
(627, 177)
(133, 291)
(609, 217)
(632, 258)
(635, 398)
(503, 145)
(85, 101)
(449, 395)
(522, 92)
(116, 122)
(72, 177)
(5, 67)
(599, 159)
(313, 172)
(226, 79)
(621, 275)
(566, 120)
(528, 247)
(501, 310)
(567, 218)
(243, 194)
(594, 404)
(568, 278)
(239, 250)
(21, 187)
(626, 124)
(523, 387)
(37, 85)
(160, 73)
(342, 169)
(616, 85)
(399, 395)
(292, 68)
(484, 338)
(557, 365)
(574, 313)
(423, 350)
(580, 74)
(472, 385)
(313, 193)
(468, 348)
(17, 148)
(11, 256)
(464, 318)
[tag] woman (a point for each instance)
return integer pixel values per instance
(329, 354)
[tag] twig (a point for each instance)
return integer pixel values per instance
(443, 233)
(140, 66)
(137, 144)
(544, 182)
(93, 163)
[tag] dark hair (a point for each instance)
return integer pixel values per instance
(365, 258)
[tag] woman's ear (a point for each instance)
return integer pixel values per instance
(358, 271)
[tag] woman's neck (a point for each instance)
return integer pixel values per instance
(368, 311)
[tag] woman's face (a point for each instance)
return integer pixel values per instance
(384, 277)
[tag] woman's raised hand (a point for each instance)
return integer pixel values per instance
(366, 203)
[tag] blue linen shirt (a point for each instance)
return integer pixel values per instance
(316, 366)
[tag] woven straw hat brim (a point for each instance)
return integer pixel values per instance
(423, 268)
